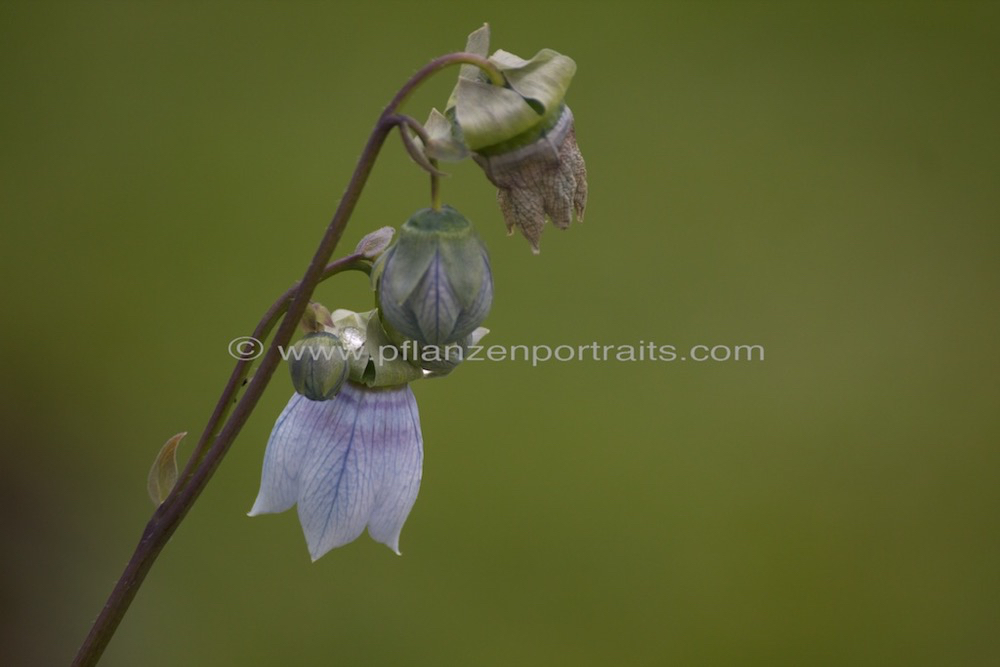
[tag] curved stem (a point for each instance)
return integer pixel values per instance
(429, 164)
(168, 515)
(242, 369)
(435, 189)
(418, 155)
(460, 58)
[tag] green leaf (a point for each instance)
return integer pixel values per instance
(163, 474)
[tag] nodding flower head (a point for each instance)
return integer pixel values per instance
(434, 284)
(521, 134)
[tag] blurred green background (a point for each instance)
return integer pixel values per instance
(819, 179)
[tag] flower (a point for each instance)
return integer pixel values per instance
(521, 134)
(349, 462)
(435, 284)
(544, 179)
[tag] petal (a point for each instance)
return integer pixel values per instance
(559, 191)
(399, 456)
(300, 427)
(571, 155)
(434, 306)
(490, 114)
(368, 471)
(525, 209)
(475, 312)
(446, 142)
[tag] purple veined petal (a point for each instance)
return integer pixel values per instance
(366, 473)
(472, 316)
(399, 456)
(435, 304)
(393, 305)
(300, 427)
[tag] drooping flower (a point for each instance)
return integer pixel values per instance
(435, 284)
(544, 179)
(347, 463)
(521, 134)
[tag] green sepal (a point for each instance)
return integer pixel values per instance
(446, 140)
(381, 371)
(541, 81)
(487, 114)
(352, 329)
(478, 43)
(532, 135)
(367, 345)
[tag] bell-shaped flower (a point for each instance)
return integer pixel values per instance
(435, 284)
(521, 134)
(347, 463)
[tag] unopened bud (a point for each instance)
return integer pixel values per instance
(435, 285)
(318, 365)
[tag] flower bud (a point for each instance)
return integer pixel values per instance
(435, 285)
(318, 365)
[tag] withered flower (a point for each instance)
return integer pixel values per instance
(521, 134)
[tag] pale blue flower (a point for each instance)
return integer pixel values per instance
(349, 462)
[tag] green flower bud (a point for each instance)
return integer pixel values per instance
(319, 366)
(435, 285)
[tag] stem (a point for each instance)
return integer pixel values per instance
(168, 515)
(242, 369)
(435, 189)
(429, 164)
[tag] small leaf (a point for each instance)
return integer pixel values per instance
(163, 474)
(372, 245)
